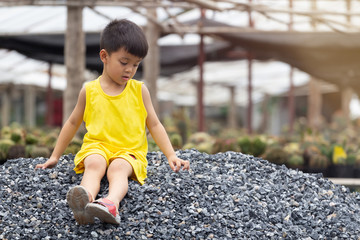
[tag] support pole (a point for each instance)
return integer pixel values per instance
(250, 103)
(291, 100)
(315, 96)
(152, 60)
(250, 88)
(265, 111)
(348, 8)
(291, 96)
(49, 100)
(74, 59)
(314, 9)
(346, 96)
(5, 108)
(232, 123)
(200, 87)
(314, 104)
(29, 103)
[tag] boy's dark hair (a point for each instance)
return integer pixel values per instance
(124, 34)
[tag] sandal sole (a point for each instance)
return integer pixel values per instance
(102, 213)
(77, 198)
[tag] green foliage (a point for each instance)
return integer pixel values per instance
(255, 147)
(5, 145)
(200, 137)
(176, 140)
(31, 139)
(276, 155)
(319, 161)
(315, 158)
(295, 161)
(152, 147)
(202, 141)
(205, 147)
(16, 151)
(6, 132)
(74, 146)
(258, 147)
(15, 137)
(225, 144)
(39, 151)
(245, 145)
(351, 159)
(189, 146)
(28, 150)
(73, 149)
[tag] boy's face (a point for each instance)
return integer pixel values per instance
(120, 66)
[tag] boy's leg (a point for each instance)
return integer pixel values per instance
(118, 173)
(106, 209)
(95, 168)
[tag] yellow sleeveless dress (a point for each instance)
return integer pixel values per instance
(116, 127)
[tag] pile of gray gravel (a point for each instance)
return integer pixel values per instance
(224, 196)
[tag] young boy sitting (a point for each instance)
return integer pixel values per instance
(116, 110)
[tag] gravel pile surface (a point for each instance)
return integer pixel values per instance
(224, 196)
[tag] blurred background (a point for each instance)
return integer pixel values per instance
(277, 79)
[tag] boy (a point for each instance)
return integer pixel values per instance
(116, 109)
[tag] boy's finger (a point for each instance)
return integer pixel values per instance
(38, 166)
(186, 165)
(178, 165)
(171, 165)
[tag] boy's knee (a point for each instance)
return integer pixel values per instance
(120, 164)
(95, 161)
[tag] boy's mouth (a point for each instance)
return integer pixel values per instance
(125, 78)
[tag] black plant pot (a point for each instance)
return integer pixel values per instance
(357, 172)
(341, 171)
(317, 170)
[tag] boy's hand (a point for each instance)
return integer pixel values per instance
(176, 163)
(50, 163)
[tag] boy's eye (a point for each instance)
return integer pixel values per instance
(123, 63)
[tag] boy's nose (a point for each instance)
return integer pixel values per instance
(128, 69)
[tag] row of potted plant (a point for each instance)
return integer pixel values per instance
(17, 142)
(332, 149)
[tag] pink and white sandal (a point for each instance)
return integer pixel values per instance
(78, 198)
(105, 210)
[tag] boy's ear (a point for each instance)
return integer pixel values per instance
(103, 55)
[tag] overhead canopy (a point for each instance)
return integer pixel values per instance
(330, 56)
(50, 48)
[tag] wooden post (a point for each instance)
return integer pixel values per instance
(5, 108)
(314, 8)
(29, 103)
(49, 99)
(152, 60)
(291, 106)
(200, 86)
(291, 102)
(346, 95)
(250, 103)
(232, 123)
(265, 113)
(16, 110)
(314, 104)
(74, 59)
(348, 8)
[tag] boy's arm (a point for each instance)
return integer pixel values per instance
(159, 134)
(67, 132)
